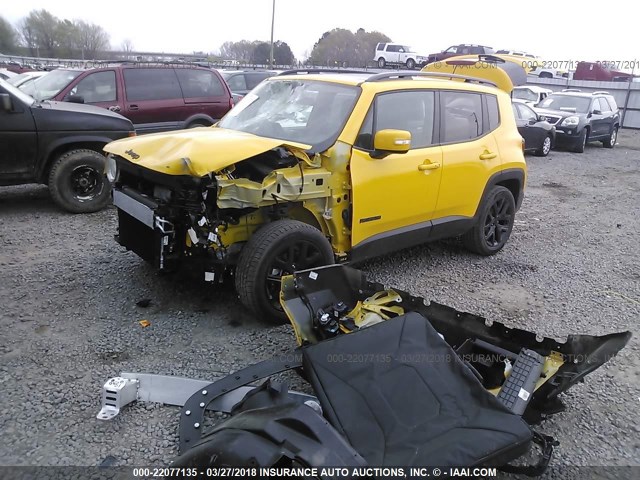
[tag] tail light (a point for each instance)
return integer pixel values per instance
(230, 103)
(523, 146)
(132, 134)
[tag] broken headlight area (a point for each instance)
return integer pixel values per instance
(397, 381)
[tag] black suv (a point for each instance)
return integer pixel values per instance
(59, 144)
(581, 117)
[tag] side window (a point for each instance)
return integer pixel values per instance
(451, 50)
(237, 82)
(493, 112)
(516, 112)
(393, 48)
(412, 111)
(461, 116)
(97, 87)
(381, 46)
(526, 113)
(604, 106)
(199, 83)
(253, 79)
(151, 84)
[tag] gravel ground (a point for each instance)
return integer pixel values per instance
(69, 318)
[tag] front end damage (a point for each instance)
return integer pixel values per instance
(397, 381)
(194, 198)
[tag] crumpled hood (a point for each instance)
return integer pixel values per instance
(196, 151)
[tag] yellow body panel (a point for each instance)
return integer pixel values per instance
(196, 151)
(480, 69)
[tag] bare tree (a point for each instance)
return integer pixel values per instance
(8, 37)
(39, 31)
(127, 46)
(92, 39)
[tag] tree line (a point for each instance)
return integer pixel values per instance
(42, 34)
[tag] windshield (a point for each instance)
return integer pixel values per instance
(10, 89)
(525, 94)
(309, 112)
(51, 84)
(566, 102)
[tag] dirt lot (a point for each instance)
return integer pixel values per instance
(69, 318)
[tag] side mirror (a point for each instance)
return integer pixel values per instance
(5, 102)
(597, 112)
(75, 99)
(391, 141)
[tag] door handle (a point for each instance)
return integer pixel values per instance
(114, 108)
(428, 166)
(487, 155)
(133, 107)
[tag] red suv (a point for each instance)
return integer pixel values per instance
(155, 98)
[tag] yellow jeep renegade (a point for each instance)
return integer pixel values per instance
(312, 168)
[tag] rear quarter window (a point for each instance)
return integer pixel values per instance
(199, 83)
(151, 84)
(612, 103)
(493, 112)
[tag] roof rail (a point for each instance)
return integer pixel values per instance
(411, 74)
(571, 90)
(600, 92)
(318, 70)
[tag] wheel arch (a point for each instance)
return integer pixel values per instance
(199, 118)
(513, 179)
(65, 145)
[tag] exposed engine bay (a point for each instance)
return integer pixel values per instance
(397, 381)
(170, 219)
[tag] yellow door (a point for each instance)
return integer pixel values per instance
(397, 193)
(394, 192)
(470, 153)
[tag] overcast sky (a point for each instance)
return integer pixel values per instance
(567, 31)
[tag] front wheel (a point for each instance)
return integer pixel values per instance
(77, 182)
(411, 63)
(545, 148)
(382, 62)
(613, 138)
(581, 142)
(494, 224)
(279, 248)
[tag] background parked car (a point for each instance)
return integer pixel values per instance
(241, 82)
(58, 144)
(601, 72)
(7, 74)
(539, 135)
(581, 117)
(396, 54)
(154, 97)
(462, 49)
(530, 94)
(22, 80)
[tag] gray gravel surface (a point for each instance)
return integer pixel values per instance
(69, 318)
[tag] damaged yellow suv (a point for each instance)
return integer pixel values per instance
(312, 168)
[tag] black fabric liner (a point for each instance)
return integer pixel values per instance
(400, 395)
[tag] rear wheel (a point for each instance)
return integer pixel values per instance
(545, 148)
(613, 138)
(279, 248)
(581, 142)
(382, 62)
(494, 224)
(411, 63)
(77, 182)
(545, 75)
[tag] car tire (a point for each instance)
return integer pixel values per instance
(197, 125)
(382, 62)
(613, 138)
(545, 148)
(268, 255)
(77, 182)
(545, 75)
(494, 223)
(581, 142)
(411, 63)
